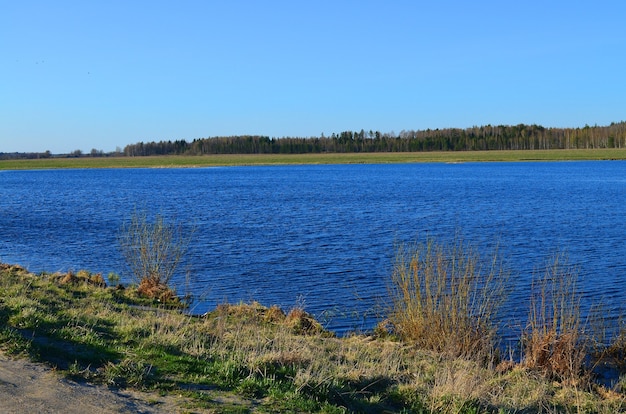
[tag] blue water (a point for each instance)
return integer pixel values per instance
(323, 236)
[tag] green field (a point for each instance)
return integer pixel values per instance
(327, 158)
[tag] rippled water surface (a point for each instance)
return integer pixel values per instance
(323, 236)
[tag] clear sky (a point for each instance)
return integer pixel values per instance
(103, 74)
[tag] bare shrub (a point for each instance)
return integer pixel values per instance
(445, 301)
(555, 342)
(153, 250)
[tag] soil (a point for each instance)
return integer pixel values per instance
(27, 387)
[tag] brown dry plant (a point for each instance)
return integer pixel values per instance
(445, 300)
(555, 342)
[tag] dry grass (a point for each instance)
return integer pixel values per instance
(445, 300)
(82, 276)
(151, 287)
(555, 342)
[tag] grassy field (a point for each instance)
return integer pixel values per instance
(329, 158)
(249, 358)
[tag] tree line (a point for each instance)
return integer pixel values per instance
(477, 138)
(501, 137)
(47, 154)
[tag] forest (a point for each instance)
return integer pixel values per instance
(477, 138)
(517, 137)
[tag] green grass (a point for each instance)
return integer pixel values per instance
(250, 358)
(328, 158)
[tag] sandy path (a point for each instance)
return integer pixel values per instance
(27, 387)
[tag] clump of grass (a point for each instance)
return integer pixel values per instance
(444, 300)
(82, 276)
(152, 288)
(113, 278)
(303, 323)
(127, 373)
(555, 342)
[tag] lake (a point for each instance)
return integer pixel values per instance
(323, 236)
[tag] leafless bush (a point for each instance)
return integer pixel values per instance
(153, 250)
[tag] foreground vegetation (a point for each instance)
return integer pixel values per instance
(173, 161)
(250, 358)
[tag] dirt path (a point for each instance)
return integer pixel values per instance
(27, 387)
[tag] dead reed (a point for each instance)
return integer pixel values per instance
(555, 342)
(444, 299)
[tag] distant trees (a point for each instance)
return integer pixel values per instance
(476, 138)
(157, 148)
(24, 155)
(488, 137)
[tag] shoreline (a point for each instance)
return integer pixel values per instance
(245, 358)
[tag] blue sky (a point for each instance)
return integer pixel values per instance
(104, 74)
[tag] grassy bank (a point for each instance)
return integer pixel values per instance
(329, 158)
(249, 358)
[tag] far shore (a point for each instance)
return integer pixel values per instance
(220, 160)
